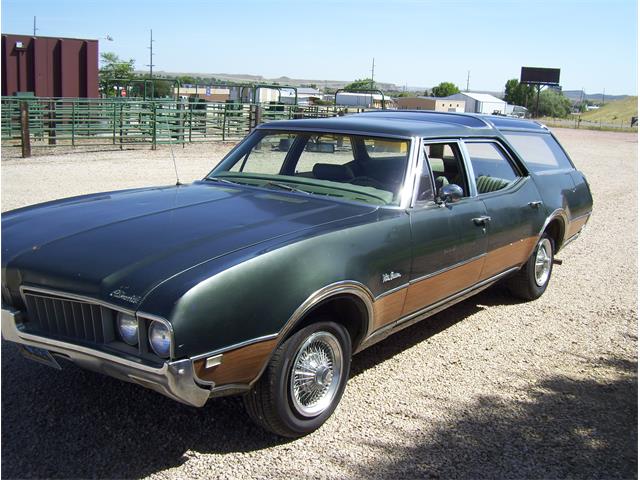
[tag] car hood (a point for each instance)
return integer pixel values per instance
(118, 246)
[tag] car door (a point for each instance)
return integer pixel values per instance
(448, 246)
(512, 202)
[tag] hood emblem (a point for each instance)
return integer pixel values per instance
(387, 277)
(122, 295)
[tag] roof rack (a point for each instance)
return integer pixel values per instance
(464, 119)
(510, 123)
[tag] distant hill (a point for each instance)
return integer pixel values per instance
(575, 95)
(246, 78)
(616, 111)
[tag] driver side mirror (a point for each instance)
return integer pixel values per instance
(450, 193)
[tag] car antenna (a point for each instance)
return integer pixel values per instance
(175, 166)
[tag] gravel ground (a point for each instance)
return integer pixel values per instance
(487, 389)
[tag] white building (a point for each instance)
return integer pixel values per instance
(480, 103)
(306, 96)
(364, 100)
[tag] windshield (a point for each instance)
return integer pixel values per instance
(352, 167)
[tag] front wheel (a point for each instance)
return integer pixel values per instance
(533, 278)
(304, 381)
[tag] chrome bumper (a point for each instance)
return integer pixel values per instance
(175, 380)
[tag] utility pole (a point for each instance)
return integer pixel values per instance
(34, 26)
(468, 76)
(373, 66)
(150, 47)
(602, 97)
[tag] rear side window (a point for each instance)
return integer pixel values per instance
(491, 167)
(540, 152)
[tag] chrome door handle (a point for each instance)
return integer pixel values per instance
(481, 220)
(535, 204)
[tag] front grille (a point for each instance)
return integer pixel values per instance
(68, 318)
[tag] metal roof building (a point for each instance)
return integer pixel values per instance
(480, 102)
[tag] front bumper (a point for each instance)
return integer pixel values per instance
(175, 380)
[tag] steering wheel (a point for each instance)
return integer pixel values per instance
(368, 182)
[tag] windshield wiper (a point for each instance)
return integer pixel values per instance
(221, 180)
(284, 186)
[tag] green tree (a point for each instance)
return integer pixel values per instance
(517, 93)
(112, 67)
(444, 89)
(360, 84)
(187, 80)
(553, 104)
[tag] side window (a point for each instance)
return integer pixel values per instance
(491, 167)
(446, 164)
(539, 151)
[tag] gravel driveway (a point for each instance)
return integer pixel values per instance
(487, 389)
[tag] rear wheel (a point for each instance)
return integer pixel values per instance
(533, 278)
(304, 381)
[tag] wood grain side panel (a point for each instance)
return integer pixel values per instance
(433, 289)
(508, 256)
(388, 308)
(576, 225)
(241, 365)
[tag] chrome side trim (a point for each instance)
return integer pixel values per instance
(446, 269)
(580, 217)
(345, 286)
(175, 380)
(234, 346)
(468, 166)
(393, 290)
(557, 213)
(572, 238)
(432, 309)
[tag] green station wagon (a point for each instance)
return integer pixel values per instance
(310, 241)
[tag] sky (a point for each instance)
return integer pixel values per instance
(415, 43)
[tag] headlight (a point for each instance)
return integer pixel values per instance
(128, 328)
(160, 339)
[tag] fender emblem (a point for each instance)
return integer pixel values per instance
(387, 277)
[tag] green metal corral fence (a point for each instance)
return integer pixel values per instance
(127, 122)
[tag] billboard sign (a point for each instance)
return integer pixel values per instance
(540, 76)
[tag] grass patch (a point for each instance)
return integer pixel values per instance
(614, 112)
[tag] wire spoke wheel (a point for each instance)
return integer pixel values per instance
(315, 374)
(544, 256)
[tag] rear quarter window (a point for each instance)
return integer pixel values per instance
(540, 152)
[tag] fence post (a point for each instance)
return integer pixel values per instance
(52, 123)
(24, 129)
(224, 120)
(73, 123)
(154, 119)
(258, 116)
(115, 106)
(121, 132)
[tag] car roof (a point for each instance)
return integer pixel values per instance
(410, 123)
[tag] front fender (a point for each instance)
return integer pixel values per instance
(252, 294)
